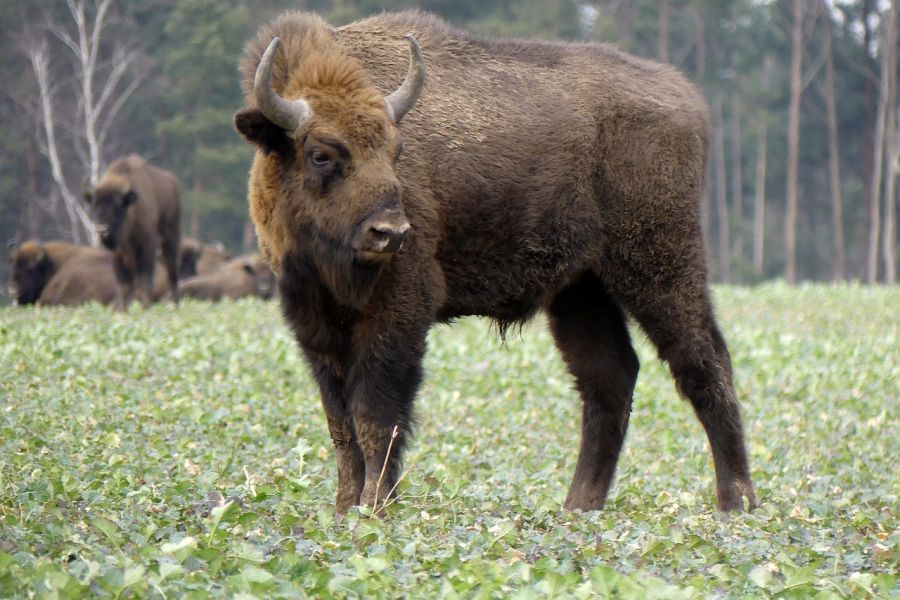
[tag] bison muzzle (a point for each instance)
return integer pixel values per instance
(522, 177)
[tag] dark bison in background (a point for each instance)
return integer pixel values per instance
(243, 276)
(138, 212)
(526, 176)
(200, 258)
(35, 264)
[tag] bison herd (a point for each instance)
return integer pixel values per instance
(137, 210)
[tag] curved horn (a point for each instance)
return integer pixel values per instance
(287, 114)
(404, 97)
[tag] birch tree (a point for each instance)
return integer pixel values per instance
(96, 85)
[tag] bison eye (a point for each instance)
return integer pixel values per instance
(320, 159)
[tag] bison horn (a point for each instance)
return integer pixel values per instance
(287, 114)
(404, 97)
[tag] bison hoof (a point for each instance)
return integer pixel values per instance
(731, 497)
(584, 503)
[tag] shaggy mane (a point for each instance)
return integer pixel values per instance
(309, 59)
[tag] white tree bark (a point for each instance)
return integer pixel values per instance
(79, 220)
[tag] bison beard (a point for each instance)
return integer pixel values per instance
(324, 290)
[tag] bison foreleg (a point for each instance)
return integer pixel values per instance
(383, 387)
(350, 463)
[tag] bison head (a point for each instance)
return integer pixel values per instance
(324, 184)
(189, 252)
(111, 200)
(31, 269)
(264, 282)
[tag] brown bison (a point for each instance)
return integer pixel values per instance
(523, 176)
(35, 264)
(91, 278)
(198, 258)
(138, 212)
(242, 276)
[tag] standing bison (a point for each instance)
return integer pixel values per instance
(138, 212)
(521, 177)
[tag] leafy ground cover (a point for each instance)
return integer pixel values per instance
(182, 453)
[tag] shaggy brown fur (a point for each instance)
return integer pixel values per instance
(91, 278)
(138, 212)
(35, 263)
(242, 276)
(562, 177)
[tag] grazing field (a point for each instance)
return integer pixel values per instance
(183, 453)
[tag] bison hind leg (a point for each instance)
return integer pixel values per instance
(679, 320)
(591, 333)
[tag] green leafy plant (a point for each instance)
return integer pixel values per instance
(183, 453)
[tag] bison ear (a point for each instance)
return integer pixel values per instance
(129, 198)
(12, 248)
(261, 132)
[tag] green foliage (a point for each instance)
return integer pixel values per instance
(181, 452)
(204, 40)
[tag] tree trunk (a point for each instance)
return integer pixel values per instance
(759, 196)
(248, 243)
(737, 184)
(195, 213)
(790, 221)
(663, 41)
(869, 93)
(724, 258)
(834, 161)
(887, 41)
(705, 198)
(892, 148)
(31, 216)
(701, 44)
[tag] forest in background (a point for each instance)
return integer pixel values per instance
(804, 154)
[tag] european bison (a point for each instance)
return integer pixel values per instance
(242, 276)
(529, 176)
(198, 258)
(138, 212)
(90, 278)
(35, 263)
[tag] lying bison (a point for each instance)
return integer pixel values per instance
(35, 264)
(91, 278)
(138, 212)
(199, 258)
(521, 177)
(240, 277)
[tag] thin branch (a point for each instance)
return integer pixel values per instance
(114, 109)
(121, 61)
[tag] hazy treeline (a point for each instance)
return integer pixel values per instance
(802, 95)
